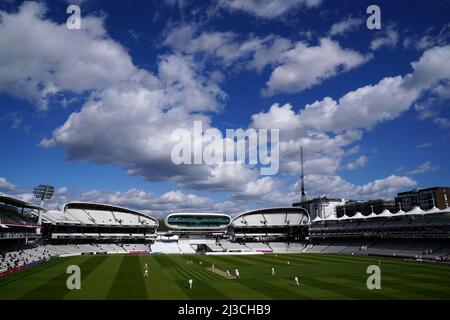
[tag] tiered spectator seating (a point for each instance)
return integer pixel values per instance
(20, 258)
(234, 247)
(215, 247)
(80, 215)
(278, 247)
(258, 246)
(186, 248)
(102, 217)
(136, 247)
(165, 247)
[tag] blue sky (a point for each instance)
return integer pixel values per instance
(91, 111)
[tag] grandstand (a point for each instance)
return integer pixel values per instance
(416, 234)
(79, 221)
(17, 219)
(282, 224)
(88, 229)
(234, 246)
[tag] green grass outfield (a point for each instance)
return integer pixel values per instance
(322, 276)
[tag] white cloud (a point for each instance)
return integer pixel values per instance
(430, 69)
(130, 114)
(389, 39)
(47, 58)
(258, 189)
(6, 186)
(425, 145)
(442, 122)
(345, 26)
(361, 108)
(296, 66)
(267, 8)
(426, 109)
(304, 66)
(336, 186)
(326, 127)
(225, 46)
(146, 202)
(430, 108)
(170, 202)
(423, 168)
(62, 191)
(128, 122)
(430, 39)
(359, 163)
(386, 100)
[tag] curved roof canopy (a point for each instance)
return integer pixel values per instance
(271, 217)
(86, 213)
(11, 201)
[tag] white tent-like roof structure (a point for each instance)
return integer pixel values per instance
(416, 211)
(332, 218)
(372, 215)
(358, 215)
(385, 213)
(433, 210)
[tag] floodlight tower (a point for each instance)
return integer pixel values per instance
(43, 192)
(302, 177)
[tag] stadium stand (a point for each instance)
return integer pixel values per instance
(165, 248)
(258, 247)
(234, 246)
(186, 248)
(86, 228)
(20, 258)
(213, 247)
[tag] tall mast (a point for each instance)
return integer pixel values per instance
(302, 177)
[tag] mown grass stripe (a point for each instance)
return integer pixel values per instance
(28, 272)
(202, 290)
(96, 283)
(129, 280)
(272, 291)
(56, 288)
(211, 275)
(165, 261)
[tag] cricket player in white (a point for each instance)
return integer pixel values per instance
(146, 267)
(190, 283)
(228, 272)
(236, 272)
(273, 271)
(296, 281)
(288, 263)
(146, 273)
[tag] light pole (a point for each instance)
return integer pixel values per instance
(43, 192)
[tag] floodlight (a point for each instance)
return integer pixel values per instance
(43, 192)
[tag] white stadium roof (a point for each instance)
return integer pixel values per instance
(271, 217)
(416, 211)
(85, 213)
